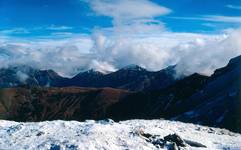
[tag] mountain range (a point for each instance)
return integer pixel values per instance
(133, 78)
(129, 93)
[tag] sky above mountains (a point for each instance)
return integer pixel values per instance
(47, 17)
(73, 35)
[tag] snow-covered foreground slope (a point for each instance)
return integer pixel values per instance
(109, 135)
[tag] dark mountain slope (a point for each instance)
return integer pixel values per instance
(158, 103)
(220, 99)
(213, 101)
(38, 104)
(89, 78)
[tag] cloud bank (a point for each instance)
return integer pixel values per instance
(138, 38)
(66, 56)
(191, 52)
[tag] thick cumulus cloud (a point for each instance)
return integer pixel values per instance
(205, 55)
(191, 52)
(66, 56)
(138, 38)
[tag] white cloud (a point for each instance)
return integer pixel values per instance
(22, 76)
(57, 30)
(234, 7)
(55, 27)
(213, 18)
(62, 34)
(126, 10)
(134, 16)
(192, 52)
(138, 38)
(66, 56)
(102, 66)
(14, 31)
(211, 25)
(135, 38)
(230, 19)
(201, 53)
(210, 55)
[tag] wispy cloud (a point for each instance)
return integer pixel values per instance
(234, 7)
(213, 18)
(15, 31)
(55, 27)
(62, 34)
(228, 19)
(56, 30)
(211, 25)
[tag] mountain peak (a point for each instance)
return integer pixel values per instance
(234, 63)
(22, 68)
(235, 60)
(93, 71)
(50, 73)
(133, 67)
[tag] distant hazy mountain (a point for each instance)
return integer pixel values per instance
(132, 78)
(15, 76)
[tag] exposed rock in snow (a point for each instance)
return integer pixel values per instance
(107, 134)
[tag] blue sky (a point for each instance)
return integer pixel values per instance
(73, 35)
(32, 18)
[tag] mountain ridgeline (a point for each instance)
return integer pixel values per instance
(129, 93)
(133, 78)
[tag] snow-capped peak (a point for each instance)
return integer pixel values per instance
(97, 71)
(133, 67)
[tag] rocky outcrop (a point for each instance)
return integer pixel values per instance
(171, 141)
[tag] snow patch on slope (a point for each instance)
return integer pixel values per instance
(108, 135)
